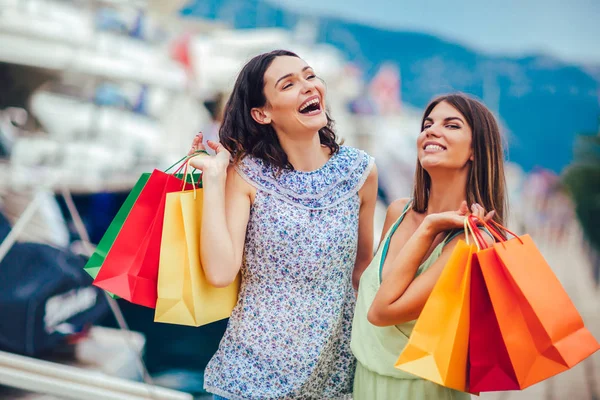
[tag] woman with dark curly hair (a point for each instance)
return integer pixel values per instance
(291, 210)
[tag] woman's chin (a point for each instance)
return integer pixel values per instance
(431, 163)
(315, 125)
(299, 123)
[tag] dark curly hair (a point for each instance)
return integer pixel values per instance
(241, 135)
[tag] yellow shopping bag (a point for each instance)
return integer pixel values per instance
(438, 346)
(184, 295)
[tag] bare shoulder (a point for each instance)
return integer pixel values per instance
(396, 208)
(371, 183)
(237, 183)
(393, 213)
(372, 178)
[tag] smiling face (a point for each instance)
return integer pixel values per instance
(295, 97)
(460, 134)
(445, 140)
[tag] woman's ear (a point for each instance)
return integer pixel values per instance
(260, 115)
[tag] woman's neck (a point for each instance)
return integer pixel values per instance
(448, 189)
(305, 154)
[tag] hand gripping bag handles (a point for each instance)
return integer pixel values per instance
(184, 295)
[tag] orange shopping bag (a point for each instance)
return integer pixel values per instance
(437, 349)
(541, 328)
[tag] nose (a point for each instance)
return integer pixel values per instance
(308, 87)
(432, 131)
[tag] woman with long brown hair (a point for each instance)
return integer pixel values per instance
(291, 210)
(459, 170)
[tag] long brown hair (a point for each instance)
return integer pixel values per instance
(241, 135)
(486, 184)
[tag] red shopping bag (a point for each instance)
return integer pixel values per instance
(490, 367)
(130, 269)
(489, 362)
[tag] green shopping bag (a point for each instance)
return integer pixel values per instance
(95, 262)
(92, 267)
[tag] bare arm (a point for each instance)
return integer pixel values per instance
(368, 196)
(225, 214)
(388, 307)
(401, 297)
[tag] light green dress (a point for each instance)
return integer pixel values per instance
(378, 348)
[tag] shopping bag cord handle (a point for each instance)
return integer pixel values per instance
(186, 158)
(476, 236)
(494, 229)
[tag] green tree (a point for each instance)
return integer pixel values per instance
(582, 179)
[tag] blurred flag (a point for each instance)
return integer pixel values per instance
(384, 89)
(180, 51)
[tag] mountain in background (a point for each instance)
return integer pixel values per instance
(542, 102)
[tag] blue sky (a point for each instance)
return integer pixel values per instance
(567, 29)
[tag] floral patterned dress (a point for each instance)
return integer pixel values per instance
(289, 334)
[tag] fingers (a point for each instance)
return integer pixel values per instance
(489, 216)
(478, 211)
(195, 162)
(464, 208)
(217, 147)
(192, 150)
(197, 144)
(213, 145)
(459, 221)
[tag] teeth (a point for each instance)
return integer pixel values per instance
(433, 147)
(313, 101)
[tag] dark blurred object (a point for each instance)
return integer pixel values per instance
(216, 106)
(4, 227)
(97, 210)
(45, 299)
(582, 178)
(19, 81)
(12, 119)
